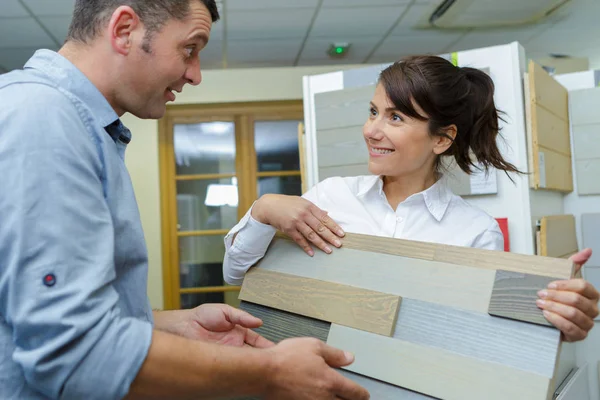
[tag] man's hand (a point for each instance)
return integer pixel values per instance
(216, 323)
(571, 305)
(300, 219)
(302, 370)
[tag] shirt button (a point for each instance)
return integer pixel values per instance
(399, 219)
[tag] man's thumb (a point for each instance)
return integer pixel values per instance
(336, 358)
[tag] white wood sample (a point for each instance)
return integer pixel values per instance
(342, 108)
(341, 146)
(436, 372)
(457, 286)
(344, 170)
(528, 347)
(590, 228)
(588, 176)
(584, 106)
(382, 390)
(586, 141)
(577, 388)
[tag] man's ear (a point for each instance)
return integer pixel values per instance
(444, 140)
(123, 23)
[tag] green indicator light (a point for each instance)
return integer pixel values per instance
(339, 50)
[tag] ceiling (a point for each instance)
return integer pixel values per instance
(272, 33)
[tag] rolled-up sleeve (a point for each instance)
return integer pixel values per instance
(57, 258)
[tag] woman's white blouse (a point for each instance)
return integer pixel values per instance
(358, 204)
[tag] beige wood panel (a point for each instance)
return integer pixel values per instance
(342, 304)
(553, 132)
(458, 286)
(558, 237)
(547, 92)
(556, 171)
(548, 131)
(435, 372)
(479, 258)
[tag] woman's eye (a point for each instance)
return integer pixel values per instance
(396, 117)
(189, 51)
(372, 112)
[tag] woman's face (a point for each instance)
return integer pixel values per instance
(398, 145)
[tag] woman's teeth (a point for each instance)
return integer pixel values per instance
(381, 151)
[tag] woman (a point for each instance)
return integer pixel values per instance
(423, 108)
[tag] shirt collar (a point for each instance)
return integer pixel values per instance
(436, 198)
(64, 74)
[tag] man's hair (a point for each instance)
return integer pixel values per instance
(90, 16)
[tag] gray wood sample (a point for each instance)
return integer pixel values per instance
(436, 372)
(341, 108)
(584, 106)
(346, 305)
(586, 139)
(341, 146)
(527, 347)
(514, 296)
(279, 325)
(468, 288)
(344, 170)
(590, 228)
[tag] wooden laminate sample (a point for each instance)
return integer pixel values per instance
(464, 256)
(279, 325)
(548, 131)
(558, 237)
(436, 372)
(457, 286)
(523, 346)
(514, 296)
(352, 306)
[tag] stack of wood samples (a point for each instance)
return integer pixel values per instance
(424, 321)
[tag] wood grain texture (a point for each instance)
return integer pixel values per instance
(590, 228)
(548, 92)
(514, 297)
(369, 310)
(584, 106)
(478, 258)
(558, 237)
(342, 146)
(457, 286)
(553, 132)
(279, 325)
(436, 372)
(341, 108)
(548, 130)
(587, 176)
(526, 347)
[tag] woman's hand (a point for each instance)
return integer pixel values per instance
(571, 305)
(300, 219)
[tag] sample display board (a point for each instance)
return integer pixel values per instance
(585, 121)
(423, 320)
(548, 131)
(558, 237)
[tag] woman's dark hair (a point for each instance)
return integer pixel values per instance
(449, 95)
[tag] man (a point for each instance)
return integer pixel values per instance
(75, 321)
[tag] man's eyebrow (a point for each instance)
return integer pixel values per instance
(200, 37)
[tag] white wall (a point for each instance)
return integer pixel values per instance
(218, 86)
